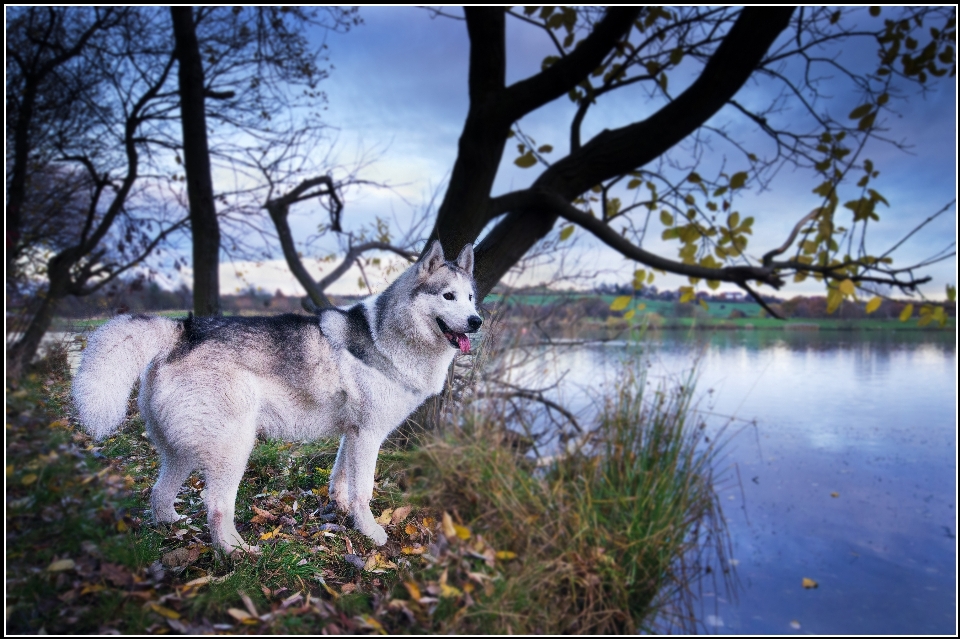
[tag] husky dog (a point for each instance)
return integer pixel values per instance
(208, 386)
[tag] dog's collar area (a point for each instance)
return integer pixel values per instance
(457, 340)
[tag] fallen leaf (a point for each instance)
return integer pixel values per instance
(413, 550)
(180, 557)
(413, 590)
(809, 583)
(428, 522)
(248, 603)
(239, 615)
(410, 529)
(348, 588)
(90, 588)
(9, 469)
(506, 555)
(116, 574)
(199, 581)
(384, 517)
(400, 514)
(448, 530)
(163, 610)
(378, 563)
(61, 565)
(28, 479)
(462, 531)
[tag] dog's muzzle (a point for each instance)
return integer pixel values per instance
(460, 340)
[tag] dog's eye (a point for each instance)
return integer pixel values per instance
(448, 296)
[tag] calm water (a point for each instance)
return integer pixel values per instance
(869, 417)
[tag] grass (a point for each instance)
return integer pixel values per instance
(607, 538)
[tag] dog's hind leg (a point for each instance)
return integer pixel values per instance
(223, 470)
(338, 476)
(361, 465)
(175, 467)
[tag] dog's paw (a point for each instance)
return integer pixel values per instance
(245, 550)
(377, 534)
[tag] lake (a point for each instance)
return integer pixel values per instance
(845, 446)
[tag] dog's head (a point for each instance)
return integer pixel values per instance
(447, 294)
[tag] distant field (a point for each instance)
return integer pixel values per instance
(717, 315)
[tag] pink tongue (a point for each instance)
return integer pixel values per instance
(463, 342)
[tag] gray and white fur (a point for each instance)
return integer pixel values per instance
(209, 386)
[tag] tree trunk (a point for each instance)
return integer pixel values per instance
(196, 160)
(25, 349)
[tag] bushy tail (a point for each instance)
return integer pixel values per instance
(116, 355)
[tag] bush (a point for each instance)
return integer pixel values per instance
(603, 534)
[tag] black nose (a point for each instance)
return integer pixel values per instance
(474, 322)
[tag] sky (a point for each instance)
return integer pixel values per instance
(397, 100)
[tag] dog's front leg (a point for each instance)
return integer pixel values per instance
(361, 465)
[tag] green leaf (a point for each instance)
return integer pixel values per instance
(566, 232)
(676, 56)
(666, 218)
(738, 180)
(620, 303)
(867, 121)
(906, 313)
(733, 220)
(546, 148)
(860, 111)
(951, 293)
(874, 304)
(634, 183)
(874, 11)
(526, 160)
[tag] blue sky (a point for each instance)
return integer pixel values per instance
(398, 95)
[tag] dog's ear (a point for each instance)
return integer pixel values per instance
(431, 261)
(465, 259)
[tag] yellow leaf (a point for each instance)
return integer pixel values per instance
(526, 160)
(874, 304)
(122, 526)
(9, 469)
(809, 583)
(413, 590)
(60, 565)
(702, 303)
(448, 528)
(666, 218)
(28, 479)
(620, 303)
(462, 531)
(847, 287)
(410, 528)
(91, 588)
(428, 522)
(566, 232)
(412, 550)
(506, 555)
(629, 314)
(385, 516)
(906, 313)
(834, 297)
(164, 611)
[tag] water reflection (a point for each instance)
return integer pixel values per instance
(848, 476)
